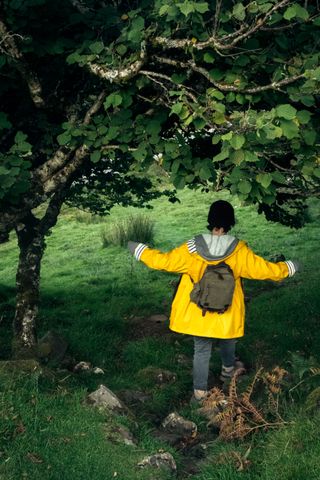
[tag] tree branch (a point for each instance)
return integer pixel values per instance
(62, 176)
(118, 75)
(30, 77)
(219, 44)
(216, 17)
(153, 75)
(223, 86)
(52, 212)
(46, 181)
(63, 154)
(256, 26)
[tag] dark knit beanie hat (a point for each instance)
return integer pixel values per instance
(221, 214)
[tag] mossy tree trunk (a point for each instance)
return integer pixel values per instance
(31, 244)
(31, 233)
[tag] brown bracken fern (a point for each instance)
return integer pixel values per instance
(236, 415)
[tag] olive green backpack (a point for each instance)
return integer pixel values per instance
(214, 291)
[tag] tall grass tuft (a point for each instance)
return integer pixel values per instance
(88, 218)
(138, 228)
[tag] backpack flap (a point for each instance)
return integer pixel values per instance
(214, 291)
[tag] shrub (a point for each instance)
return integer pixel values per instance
(138, 228)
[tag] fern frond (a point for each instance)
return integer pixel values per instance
(257, 416)
(239, 425)
(225, 416)
(232, 393)
(247, 394)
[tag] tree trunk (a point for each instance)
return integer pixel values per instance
(31, 244)
(31, 234)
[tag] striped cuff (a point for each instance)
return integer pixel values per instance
(291, 267)
(139, 249)
(191, 244)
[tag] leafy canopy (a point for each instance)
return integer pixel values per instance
(219, 94)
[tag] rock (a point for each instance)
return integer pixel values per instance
(98, 371)
(157, 375)
(82, 367)
(120, 434)
(52, 346)
(160, 460)
(87, 367)
(178, 425)
(182, 359)
(106, 399)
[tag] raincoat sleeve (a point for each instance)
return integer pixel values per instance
(257, 268)
(176, 260)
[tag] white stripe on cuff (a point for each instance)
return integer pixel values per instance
(291, 268)
(191, 246)
(139, 249)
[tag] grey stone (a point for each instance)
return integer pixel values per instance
(160, 460)
(182, 359)
(157, 375)
(178, 425)
(98, 371)
(121, 434)
(82, 367)
(52, 346)
(106, 399)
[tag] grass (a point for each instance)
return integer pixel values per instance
(137, 228)
(91, 295)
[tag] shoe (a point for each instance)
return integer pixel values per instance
(197, 401)
(229, 372)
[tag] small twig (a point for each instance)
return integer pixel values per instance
(298, 385)
(216, 17)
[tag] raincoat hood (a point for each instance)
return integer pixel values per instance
(212, 247)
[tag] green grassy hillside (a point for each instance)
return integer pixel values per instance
(93, 296)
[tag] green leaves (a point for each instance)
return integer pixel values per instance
(289, 128)
(177, 108)
(140, 153)
(286, 111)
(95, 156)
(114, 100)
(64, 138)
(237, 141)
(96, 47)
(188, 7)
(14, 169)
(175, 105)
(244, 186)
(296, 11)
(21, 146)
(209, 57)
(136, 31)
(239, 11)
(264, 179)
(304, 116)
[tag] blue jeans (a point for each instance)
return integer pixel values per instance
(201, 358)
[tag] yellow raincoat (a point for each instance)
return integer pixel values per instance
(186, 317)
